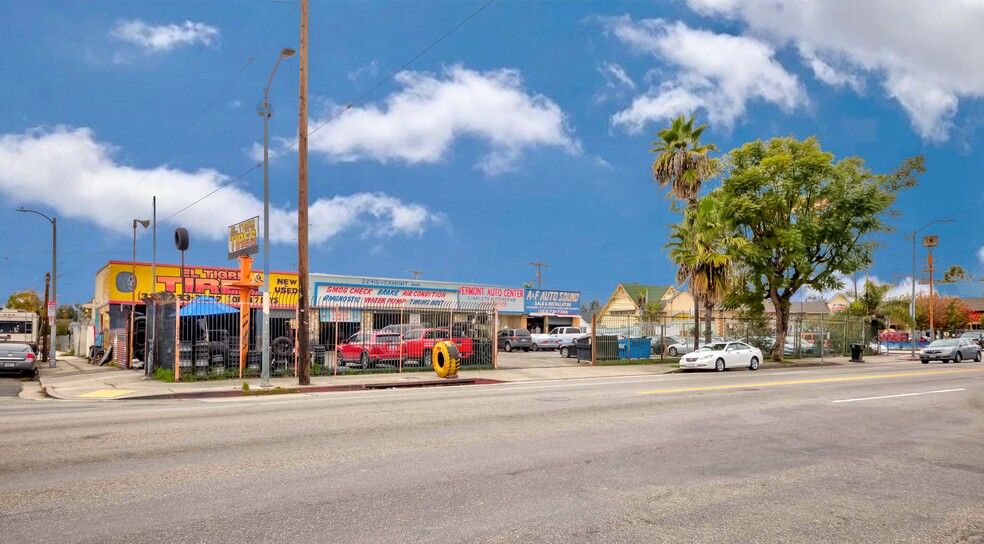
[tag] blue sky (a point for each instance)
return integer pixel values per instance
(523, 136)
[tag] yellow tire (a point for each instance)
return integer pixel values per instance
(446, 359)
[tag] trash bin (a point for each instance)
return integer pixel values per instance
(634, 348)
(857, 353)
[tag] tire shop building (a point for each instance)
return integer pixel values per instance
(342, 304)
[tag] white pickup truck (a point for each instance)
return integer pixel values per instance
(556, 338)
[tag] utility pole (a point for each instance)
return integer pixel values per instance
(44, 328)
(416, 274)
(539, 266)
(303, 333)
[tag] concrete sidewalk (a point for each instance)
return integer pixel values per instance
(76, 379)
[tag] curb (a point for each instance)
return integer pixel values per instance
(49, 391)
(774, 366)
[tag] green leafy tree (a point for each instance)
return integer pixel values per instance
(683, 164)
(873, 302)
(28, 299)
(590, 309)
(67, 311)
(704, 245)
(809, 218)
(955, 273)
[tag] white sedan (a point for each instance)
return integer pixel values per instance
(721, 356)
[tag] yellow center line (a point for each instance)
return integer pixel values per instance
(799, 382)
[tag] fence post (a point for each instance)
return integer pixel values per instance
(594, 339)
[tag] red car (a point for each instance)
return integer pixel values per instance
(418, 344)
(369, 348)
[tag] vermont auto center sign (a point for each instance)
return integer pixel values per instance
(412, 294)
(540, 302)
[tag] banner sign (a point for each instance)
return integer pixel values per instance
(244, 238)
(341, 315)
(396, 297)
(539, 302)
(116, 282)
(506, 299)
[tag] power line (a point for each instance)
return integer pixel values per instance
(348, 106)
(206, 110)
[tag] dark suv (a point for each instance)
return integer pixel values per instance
(510, 339)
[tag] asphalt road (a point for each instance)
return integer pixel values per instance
(9, 384)
(811, 455)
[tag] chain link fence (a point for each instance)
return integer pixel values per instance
(806, 336)
(205, 336)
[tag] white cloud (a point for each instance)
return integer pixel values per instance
(158, 38)
(369, 70)
(718, 72)
(926, 55)
(233, 104)
(980, 255)
(69, 170)
(419, 123)
(617, 74)
(902, 289)
(830, 75)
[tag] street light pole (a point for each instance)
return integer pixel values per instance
(54, 281)
(133, 292)
(265, 113)
(912, 301)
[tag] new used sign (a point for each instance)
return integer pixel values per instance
(244, 238)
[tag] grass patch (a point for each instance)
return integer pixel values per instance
(260, 392)
(164, 375)
(625, 362)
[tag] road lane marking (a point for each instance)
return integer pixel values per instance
(800, 382)
(902, 395)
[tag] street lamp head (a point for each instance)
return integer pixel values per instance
(144, 222)
(287, 52)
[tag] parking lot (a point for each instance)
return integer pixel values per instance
(534, 359)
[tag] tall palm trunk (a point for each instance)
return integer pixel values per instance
(708, 310)
(696, 324)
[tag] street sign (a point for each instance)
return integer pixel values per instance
(931, 241)
(244, 238)
(51, 310)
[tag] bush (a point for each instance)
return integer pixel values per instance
(164, 375)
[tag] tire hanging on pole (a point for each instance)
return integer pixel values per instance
(446, 359)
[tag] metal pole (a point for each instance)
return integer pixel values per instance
(152, 318)
(54, 288)
(265, 344)
(133, 298)
(912, 302)
(304, 347)
(932, 328)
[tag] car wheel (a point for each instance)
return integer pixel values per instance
(719, 365)
(925, 361)
(565, 352)
(673, 352)
(957, 358)
(364, 359)
(977, 358)
(508, 347)
(536, 348)
(339, 360)
(754, 365)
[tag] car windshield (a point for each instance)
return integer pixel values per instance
(944, 343)
(387, 338)
(522, 332)
(11, 348)
(712, 347)
(412, 334)
(970, 335)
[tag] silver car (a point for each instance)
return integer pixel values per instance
(18, 358)
(950, 349)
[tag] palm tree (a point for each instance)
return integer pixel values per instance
(682, 163)
(872, 302)
(704, 246)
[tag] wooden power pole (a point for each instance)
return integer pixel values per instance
(539, 266)
(44, 318)
(303, 332)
